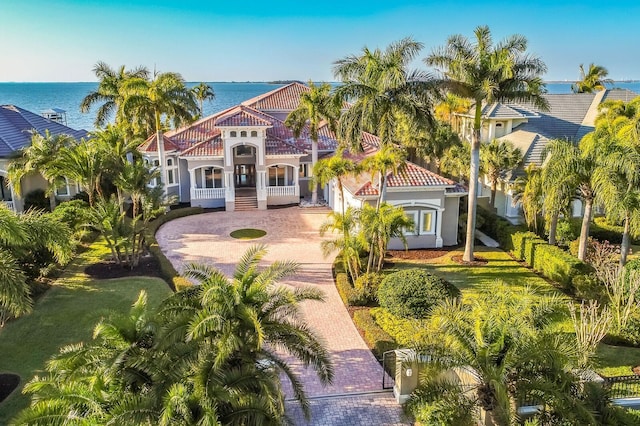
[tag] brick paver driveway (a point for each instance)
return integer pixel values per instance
(292, 233)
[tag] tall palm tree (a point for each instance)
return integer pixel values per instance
(382, 90)
(203, 92)
(487, 73)
(335, 167)
(40, 157)
(594, 80)
(617, 176)
(109, 91)
(573, 167)
(498, 158)
(316, 108)
(146, 102)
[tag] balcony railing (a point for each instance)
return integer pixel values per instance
(207, 193)
(9, 205)
(282, 191)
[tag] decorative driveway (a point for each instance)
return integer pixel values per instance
(292, 233)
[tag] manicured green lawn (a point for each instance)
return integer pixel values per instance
(613, 360)
(248, 233)
(66, 314)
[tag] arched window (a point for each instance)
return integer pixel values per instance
(254, 133)
(243, 134)
(172, 172)
(233, 134)
(169, 162)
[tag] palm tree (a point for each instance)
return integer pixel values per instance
(593, 80)
(378, 226)
(383, 91)
(389, 159)
(487, 73)
(498, 158)
(500, 341)
(616, 179)
(241, 320)
(457, 160)
(109, 91)
(203, 92)
(529, 191)
(427, 145)
(147, 101)
(315, 108)
(348, 242)
(335, 167)
(573, 167)
(85, 163)
(40, 157)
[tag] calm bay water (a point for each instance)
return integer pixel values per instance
(37, 97)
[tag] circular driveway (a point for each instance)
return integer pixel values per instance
(292, 234)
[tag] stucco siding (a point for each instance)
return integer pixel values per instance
(413, 242)
(281, 201)
(185, 181)
(450, 221)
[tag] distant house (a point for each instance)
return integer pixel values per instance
(246, 158)
(570, 117)
(16, 128)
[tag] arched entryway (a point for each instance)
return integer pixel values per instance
(244, 166)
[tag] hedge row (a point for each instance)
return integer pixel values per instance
(378, 340)
(550, 261)
(167, 270)
(350, 296)
(498, 228)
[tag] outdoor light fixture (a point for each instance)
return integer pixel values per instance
(409, 372)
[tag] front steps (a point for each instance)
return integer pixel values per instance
(246, 200)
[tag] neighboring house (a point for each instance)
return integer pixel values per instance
(246, 158)
(16, 127)
(570, 117)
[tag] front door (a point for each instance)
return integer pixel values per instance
(245, 175)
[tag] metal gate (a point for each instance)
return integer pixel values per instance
(388, 369)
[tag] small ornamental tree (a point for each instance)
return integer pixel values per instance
(412, 293)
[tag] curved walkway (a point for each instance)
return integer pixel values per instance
(292, 233)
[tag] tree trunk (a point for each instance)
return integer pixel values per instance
(553, 227)
(160, 147)
(52, 201)
(314, 160)
(494, 185)
(473, 186)
(584, 231)
(624, 247)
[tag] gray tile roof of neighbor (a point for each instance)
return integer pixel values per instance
(16, 124)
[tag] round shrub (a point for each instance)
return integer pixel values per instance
(74, 213)
(412, 293)
(367, 285)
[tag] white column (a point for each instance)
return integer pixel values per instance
(192, 182)
(297, 180)
(230, 194)
(439, 242)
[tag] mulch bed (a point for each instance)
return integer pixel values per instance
(477, 261)
(418, 254)
(148, 267)
(8, 383)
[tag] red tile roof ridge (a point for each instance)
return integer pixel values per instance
(259, 117)
(198, 122)
(259, 98)
(148, 144)
(197, 145)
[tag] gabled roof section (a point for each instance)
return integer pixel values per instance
(208, 148)
(285, 98)
(243, 116)
(151, 144)
(16, 125)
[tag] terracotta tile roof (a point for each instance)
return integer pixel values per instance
(151, 145)
(457, 189)
(209, 148)
(279, 147)
(285, 98)
(243, 116)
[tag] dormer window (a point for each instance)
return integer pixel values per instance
(233, 134)
(243, 134)
(254, 133)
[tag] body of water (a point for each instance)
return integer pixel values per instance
(37, 97)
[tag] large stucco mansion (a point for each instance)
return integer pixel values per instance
(245, 158)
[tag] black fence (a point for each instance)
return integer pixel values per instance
(623, 386)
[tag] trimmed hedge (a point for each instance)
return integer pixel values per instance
(167, 270)
(413, 292)
(350, 296)
(405, 331)
(378, 340)
(550, 261)
(499, 228)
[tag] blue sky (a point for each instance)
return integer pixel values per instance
(61, 40)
